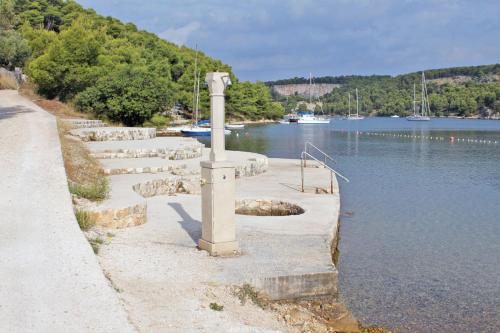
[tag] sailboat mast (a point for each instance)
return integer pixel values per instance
(310, 87)
(422, 107)
(414, 100)
(349, 94)
(428, 108)
(198, 96)
(195, 80)
(357, 103)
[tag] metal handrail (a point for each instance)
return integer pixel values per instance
(326, 166)
(326, 156)
(303, 157)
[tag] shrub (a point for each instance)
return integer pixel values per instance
(216, 307)
(157, 121)
(84, 220)
(94, 192)
(130, 95)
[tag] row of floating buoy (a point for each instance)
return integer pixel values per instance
(452, 139)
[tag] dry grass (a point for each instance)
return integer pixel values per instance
(7, 82)
(54, 106)
(85, 175)
(84, 220)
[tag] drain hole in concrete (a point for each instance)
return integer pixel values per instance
(267, 208)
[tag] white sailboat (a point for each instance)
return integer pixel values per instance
(357, 116)
(195, 129)
(423, 115)
(310, 117)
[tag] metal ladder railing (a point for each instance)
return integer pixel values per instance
(325, 155)
(303, 163)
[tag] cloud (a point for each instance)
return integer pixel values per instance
(180, 35)
(264, 40)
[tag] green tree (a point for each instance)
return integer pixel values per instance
(130, 95)
(8, 17)
(14, 50)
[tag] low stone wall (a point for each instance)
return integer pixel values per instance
(168, 186)
(84, 123)
(157, 169)
(252, 167)
(114, 133)
(121, 217)
(183, 153)
(114, 217)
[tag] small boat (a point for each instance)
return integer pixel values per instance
(394, 116)
(200, 131)
(235, 126)
(290, 118)
(424, 104)
(196, 131)
(310, 118)
(284, 122)
(203, 123)
(356, 116)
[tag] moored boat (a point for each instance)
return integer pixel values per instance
(354, 116)
(423, 115)
(235, 126)
(311, 118)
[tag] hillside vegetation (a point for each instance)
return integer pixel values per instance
(460, 91)
(113, 69)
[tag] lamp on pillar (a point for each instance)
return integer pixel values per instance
(218, 235)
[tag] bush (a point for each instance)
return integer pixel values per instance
(84, 220)
(157, 121)
(14, 50)
(129, 95)
(94, 192)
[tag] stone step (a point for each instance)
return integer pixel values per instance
(84, 123)
(114, 133)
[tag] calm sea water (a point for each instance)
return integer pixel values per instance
(420, 233)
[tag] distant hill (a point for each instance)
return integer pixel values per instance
(468, 71)
(460, 91)
(111, 68)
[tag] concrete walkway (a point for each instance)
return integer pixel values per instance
(50, 280)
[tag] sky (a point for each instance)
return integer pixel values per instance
(277, 39)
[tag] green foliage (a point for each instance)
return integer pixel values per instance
(157, 121)
(216, 307)
(94, 192)
(386, 95)
(14, 50)
(118, 72)
(84, 220)
(130, 95)
(247, 292)
(7, 15)
(96, 245)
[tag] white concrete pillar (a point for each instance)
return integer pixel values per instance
(218, 235)
(217, 83)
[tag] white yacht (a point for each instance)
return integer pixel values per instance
(423, 115)
(311, 118)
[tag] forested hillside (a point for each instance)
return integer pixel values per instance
(460, 91)
(111, 68)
